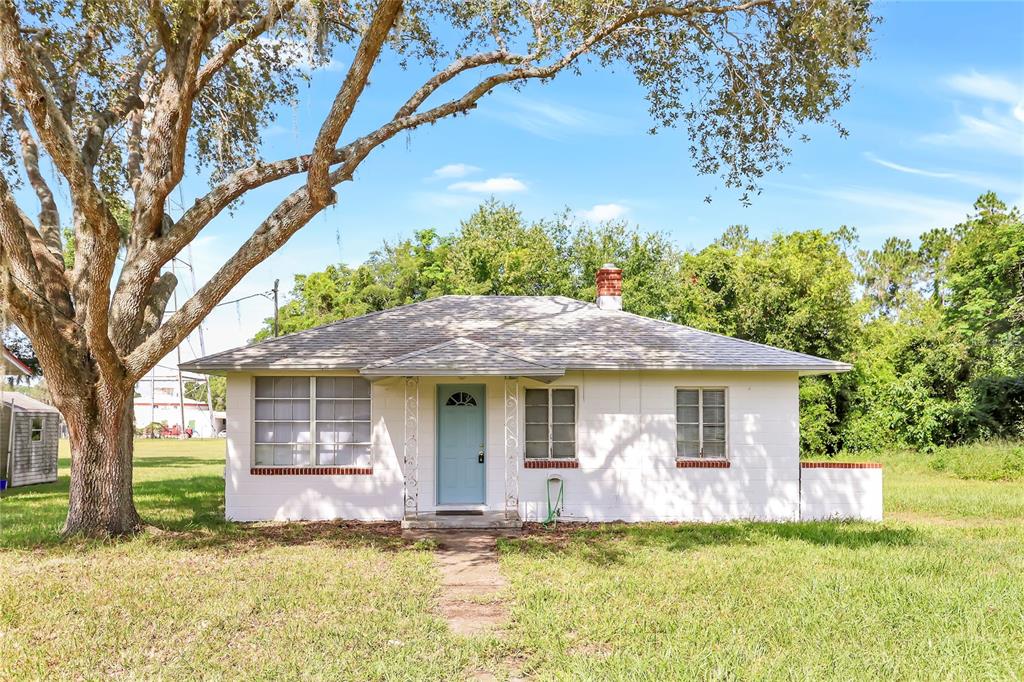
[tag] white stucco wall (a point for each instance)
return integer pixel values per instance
(626, 451)
(841, 493)
(280, 498)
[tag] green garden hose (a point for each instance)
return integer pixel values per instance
(552, 518)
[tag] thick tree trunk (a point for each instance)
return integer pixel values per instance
(100, 500)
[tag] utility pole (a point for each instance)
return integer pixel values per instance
(177, 351)
(275, 306)
(202, 348)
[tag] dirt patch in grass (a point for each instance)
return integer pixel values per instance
(242, 538)
(915, 519)
(471, 596)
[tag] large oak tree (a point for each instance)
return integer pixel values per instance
(113, 101)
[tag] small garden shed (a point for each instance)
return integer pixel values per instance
(29, 435)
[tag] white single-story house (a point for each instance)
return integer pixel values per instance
(488, 405)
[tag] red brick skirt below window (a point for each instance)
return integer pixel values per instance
(840, 465)
(702, 464)
(311, 471)
(551, 464)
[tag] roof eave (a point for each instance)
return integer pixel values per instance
(815, 372)
(13, 360)
(220, 369)
(453, 371)
(802, 369)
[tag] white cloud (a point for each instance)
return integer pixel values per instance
(904, 213)
(603, 212)
(488, 186)
(990, 131)
(885, 213)
(995, 121)
(907, 169)
(551, 119)
(987, 182)
(454, 170)
(986, 86)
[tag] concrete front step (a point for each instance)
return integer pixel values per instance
(450, 521)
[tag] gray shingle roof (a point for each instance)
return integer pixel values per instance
(459, 356)
(20, 401)
(515, 333)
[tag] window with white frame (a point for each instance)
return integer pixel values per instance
(312, 421)
(36, 430)
(700, 422)
(551, 423)
(282, 421)
(342, 421)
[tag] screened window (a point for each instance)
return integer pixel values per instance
(700, 422)
(342, 421)
(282, 421)
(551, 423)
(312, 421)
(36, 430)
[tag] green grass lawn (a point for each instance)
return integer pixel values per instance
(934, 592)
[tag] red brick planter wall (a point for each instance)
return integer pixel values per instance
(840, 465)
(551, 464)
(702, 464)
(311, 471)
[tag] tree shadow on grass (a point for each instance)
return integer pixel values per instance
(606, 544)
(241, 538)
(184, 512)
(150, 462)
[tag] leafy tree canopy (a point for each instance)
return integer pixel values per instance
(112, 104)
(933, 330)
(197, 390)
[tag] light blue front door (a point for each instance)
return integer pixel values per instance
(460, 444)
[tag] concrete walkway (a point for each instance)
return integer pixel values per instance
(471, 583)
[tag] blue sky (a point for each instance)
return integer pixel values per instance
(936, 118)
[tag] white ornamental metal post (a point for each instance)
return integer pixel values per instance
(411, 448)
(511, 448)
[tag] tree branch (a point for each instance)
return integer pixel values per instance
(134, 147)
(49, 217)
(287, 218)
(28, 260)
(153, 315)
(101, 122)
(130, 108)
(167, 139)
(99, 236)
(56, 82)
(147, 259)
(228, 51)
(299, 207)
(28, 311)
(70, 90)
(48, 121)
(50, 124)
(345, 101)
(234, 186)
(454, 69)
(161, 25)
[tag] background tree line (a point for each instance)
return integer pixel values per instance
(933, 329)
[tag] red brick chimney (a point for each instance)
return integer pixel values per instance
(609, 287)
